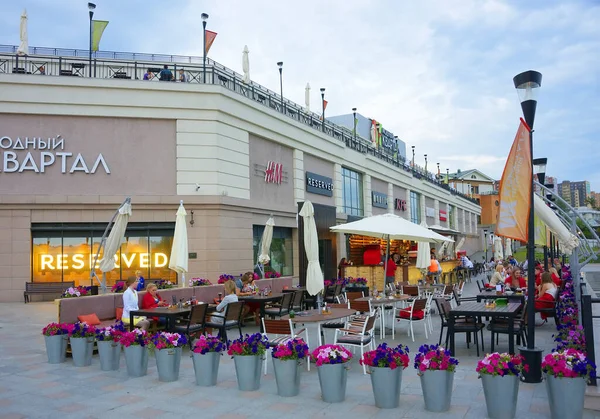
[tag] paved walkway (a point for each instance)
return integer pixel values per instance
(30, 387)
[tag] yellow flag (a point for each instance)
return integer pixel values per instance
(540, 232)
(98, 27)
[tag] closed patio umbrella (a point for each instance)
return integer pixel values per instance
(24, 45)
(314, 275)
(507, 247)
(265, 245)
(498, 251)
(179, 251)
(423, 252)
(246, 64)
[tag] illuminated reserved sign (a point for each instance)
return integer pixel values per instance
(44, 154)
(84, 260)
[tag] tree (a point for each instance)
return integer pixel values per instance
(591, 202)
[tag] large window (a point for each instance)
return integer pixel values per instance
(281, 249)
(415, 207)
(65, 252)
(352, 192)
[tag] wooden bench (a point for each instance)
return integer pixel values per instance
(45, 288)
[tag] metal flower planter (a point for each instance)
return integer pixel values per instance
(82, 350)
(287, 376)
(206, 368)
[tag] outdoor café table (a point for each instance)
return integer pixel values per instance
(380, 303)
(473, 309)
(491, 295)
(262, 300)
(171, 314)
(316, 316)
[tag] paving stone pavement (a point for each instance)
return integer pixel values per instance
(32, 388)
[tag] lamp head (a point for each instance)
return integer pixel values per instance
(539, 168)
(527, 85)
(204, 17)
(322, 90)
(280, 64)
(91, 6)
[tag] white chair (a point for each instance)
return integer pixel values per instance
(415, 313)
(360, 333)
(284, 332)
(428, 310)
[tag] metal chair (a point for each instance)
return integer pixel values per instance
(519, 328)
(467, 327)
(231, 318)
(281, 309)
(195, 323)
(414, 313)
(361, 336)
(284, 332)
(334, 324)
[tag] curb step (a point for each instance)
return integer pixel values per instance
(592, 398)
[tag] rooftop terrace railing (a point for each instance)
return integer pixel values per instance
(128, 66)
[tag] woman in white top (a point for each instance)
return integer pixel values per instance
(497, 278)
(230, 297)
(130, 302)
(547, 294)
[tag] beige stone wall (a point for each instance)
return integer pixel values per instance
(15, 253)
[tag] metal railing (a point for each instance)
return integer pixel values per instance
(128, 66)
(587, 321)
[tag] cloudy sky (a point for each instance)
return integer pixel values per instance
(437, 73)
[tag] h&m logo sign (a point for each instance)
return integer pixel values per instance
(274, 172)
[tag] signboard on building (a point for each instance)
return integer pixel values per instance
(443, 215)
(317, 184)
(430, 212)
(399, 204)
(379, 200)
(274, 172)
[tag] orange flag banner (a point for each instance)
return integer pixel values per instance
(210, 38)
(515, 187)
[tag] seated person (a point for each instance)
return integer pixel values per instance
(250, 288)
(547, 294)
(141, 280)
(497, 278)
(538, 274)
(152, 299)
(516, 279)
(130, 303)
(230, 297)
(466, 263)
(555, 277)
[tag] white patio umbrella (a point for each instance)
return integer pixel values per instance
(314, 275)
(460, 244)
(179, 251)
(246, 65)
(307, 97)
(568, 241)
(498, 251)
(24, 45)
(114, 240)
(265, 245)
(507, 247)
(423, 252)
(442, 250)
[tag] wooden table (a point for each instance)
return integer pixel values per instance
(473, 309)
(379, 304)
(262, 300)
(316, 316)
(171, 314)
(491, 295)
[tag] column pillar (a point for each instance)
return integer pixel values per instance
(464, 221)
(299, 180)
(368, 203)
(390, 198)
(408, 204)
(470, 222)
(436, 208)
(338, 188)
(423, 209)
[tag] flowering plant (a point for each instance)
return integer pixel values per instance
(501, 364)
(135, 337)
(568, 363)
(76, 292)
(198, 282)
(567, 309)
(164, 284)
(387, 357)
(224, 278)
(434, 357)
(82, 330)
(57, 329)
(118, 287)
(569, 337)
(206, 344)
(358, 281)
(255, 344)
(111, 333)
(331, 354)
(294, 349)
(166, 340)
(335, 281)
(273, 274)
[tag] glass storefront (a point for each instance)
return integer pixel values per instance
(415, 207)
(352, 192)
(281, 248)
(66, 251)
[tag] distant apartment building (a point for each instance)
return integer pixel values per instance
(575, 193)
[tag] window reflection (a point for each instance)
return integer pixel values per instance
(281, 251)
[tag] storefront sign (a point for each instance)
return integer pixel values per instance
(399, 204)
(443, 216)
(274, 172)
(78, 261)
(430, 212)
(379, 200)
(41, 156)
(317, 184)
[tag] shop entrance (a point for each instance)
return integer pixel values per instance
(324, 218)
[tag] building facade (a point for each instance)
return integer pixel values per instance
(575, 193)
(74, 148)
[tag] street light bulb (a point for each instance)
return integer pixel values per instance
(91, 6)
(204, 16)
(280, 64)
(354, 110)
(322, 90)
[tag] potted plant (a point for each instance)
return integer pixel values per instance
(136, 351)
(287, 363)
(168, 348)
(79, 291)
(199, 282)
(206, 356)
(109, 348)
(164, 284)
(224, 278)
(82, 337)
(119, 286)
(499, 373)
(567, 373)
(55, 337)
(436, 369)
(247, 353)
(385, 367)
(332, 367)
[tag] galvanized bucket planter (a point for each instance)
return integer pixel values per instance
(248, 371)
(333, 378)
(136, 358)
(167, 362)
(437, 389)
(287, 376)
(501, 394)
(566, 397)
(110, 355)
(82, 350)
(386, 384)
(206, 368)
(56, 348)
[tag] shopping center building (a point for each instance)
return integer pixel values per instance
(74, 148)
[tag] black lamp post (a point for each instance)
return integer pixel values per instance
(204, 17)
(447, 176)
(413, 158)
(91, 7)
(280, 65)
(527, 85)
(438, 173)
(323, 106)
(539, 168)
(425, 164)
(485, 240)
(354, 123)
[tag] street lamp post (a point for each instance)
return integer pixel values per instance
(425, 164)
(280, 65)
(204, 17)
(527, 85)
(323, 106)
(354, 124)
(539, 167)
(485, 240)
(91, 7)
(438, 173)
(413, 158)
(448, 177)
